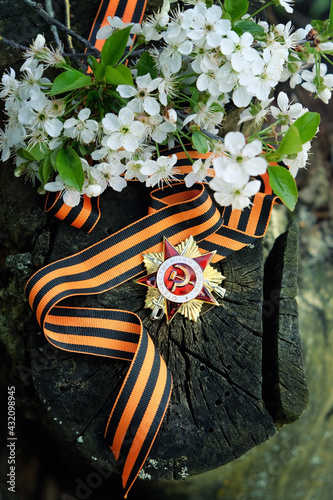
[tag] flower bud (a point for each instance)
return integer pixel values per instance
(93, 190)
(170, 115)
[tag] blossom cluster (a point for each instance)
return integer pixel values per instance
(83, 132)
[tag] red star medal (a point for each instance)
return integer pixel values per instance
(181, 281)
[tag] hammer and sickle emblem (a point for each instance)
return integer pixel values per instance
(185, 280)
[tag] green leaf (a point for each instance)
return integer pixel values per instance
(114, 47)
(38, 152)
(331, 16)
(283, 185)
(195, 94)
(245, 25)
(120, 75)
(291, 143)
(23, 153)
(70, 80)
(146, 65)
(45, 170)
(200, 142)
(53, 157)
(93, 63)
(70, 168)
(82, 149)
(307, 126)
(236, 8)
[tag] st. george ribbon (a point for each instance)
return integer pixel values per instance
(175, 213)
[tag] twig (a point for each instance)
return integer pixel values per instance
(202, 130)
(68, 24)
(61, 26)
(49, 9)
(12, 44)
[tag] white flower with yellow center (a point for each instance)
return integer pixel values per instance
(124, 131)
(142, 101)
(159, 171)
(81, 128)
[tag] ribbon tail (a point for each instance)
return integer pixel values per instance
(139, 410)
(143, 399)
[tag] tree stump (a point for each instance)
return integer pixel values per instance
(237, 378)
(224, 367)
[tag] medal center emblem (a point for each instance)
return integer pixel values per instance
(180, 279)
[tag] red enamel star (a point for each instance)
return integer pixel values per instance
(178, 283)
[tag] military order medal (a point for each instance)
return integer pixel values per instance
(180, 279)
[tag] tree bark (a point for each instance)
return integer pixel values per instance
(237, 378)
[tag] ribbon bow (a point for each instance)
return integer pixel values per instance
(175, 213)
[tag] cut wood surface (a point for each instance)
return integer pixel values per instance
(237, 378)
(218, 409)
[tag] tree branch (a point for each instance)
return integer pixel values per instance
(38, 8)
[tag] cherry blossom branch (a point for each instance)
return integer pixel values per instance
(49, 9)
(38, 8)
(18, 46)
(210, 135)
(13, 44)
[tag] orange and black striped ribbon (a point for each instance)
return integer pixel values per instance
(84, 216)
(129, 11)
(175, 213)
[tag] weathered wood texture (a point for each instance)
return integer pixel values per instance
(282, 350)
(220, 365)
(217, 411)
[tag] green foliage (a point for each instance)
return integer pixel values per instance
(146, 65)
(70, 168)
(38, 152)
(69, 80)
(291, 143)
(283, 185)
(112, 51)
(300, 132)
(249, 26)
(236, 8)
(119, 75)
(200, 142)
(45, 170)
(307, 126)
(93, 63)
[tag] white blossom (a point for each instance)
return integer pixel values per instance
(326, 82)
(300, 161)
(239, 50)
(237, 195)
(286, 4)
(4, 145)
(107, 174)
(171, 56)
(156, 20)
(241, 160)
(142, 101)
(70, 195)
(81, 128)
(159, 171)
(133, 170)
(32, 82)
(114, 24)
(207, 24)
(200, 170)
(157, 129)
(167, 86)
(35, 115)
(287, 113)
(124, 131)
(208, 115)
(256, 112)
